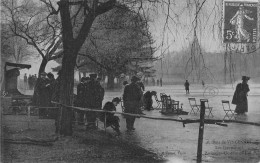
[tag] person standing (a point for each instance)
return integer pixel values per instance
(41, 96)
(161, 82)
(25, 80)
(30, 84)
(80, 100)
(187, 87)
(203, 83)
(101, 92)
(92, 96)
(132, 97)
(240, 96)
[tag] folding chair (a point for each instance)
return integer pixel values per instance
(207, 107)
(194, 105)
(226, 107)
(158, 102)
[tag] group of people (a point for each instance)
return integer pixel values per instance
(44, 91)
(29, 81)
(90, 94)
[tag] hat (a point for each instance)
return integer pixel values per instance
(50, 75)
(43, 73)
(83, 79)
(116, 99)
(134, 79)
(93, 76)
(245, 78)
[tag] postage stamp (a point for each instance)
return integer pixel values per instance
(240, 21)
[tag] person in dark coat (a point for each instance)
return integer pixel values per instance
(30, 82)
(111, 119)
(132, 97)
(187, 87)
(240, 96)
(80, 99)
(41, 96)
(101, 92)
(92, 101)
(25, 80)
(56, 97)
(148, 99)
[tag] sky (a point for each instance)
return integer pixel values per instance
(177, 33)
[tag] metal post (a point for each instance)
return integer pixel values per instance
(105, 122)
(201, 131)
(29, 116)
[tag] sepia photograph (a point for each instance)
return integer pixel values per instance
(130, 81)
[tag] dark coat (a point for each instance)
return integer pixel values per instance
(92, 95)
(132, 97)
(80, 99)
(109, 106)
(41, 96)
(187, 85)
(240, 98)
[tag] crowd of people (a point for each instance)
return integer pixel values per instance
(30, 81)
(90, 94)
(44, 92)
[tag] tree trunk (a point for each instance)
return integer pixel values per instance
(79, 76)
(67, 70)
(66, 94)
(110, 81)
(42, 66)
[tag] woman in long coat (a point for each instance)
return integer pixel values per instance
(240, 96)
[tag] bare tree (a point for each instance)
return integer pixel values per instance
(36, 23)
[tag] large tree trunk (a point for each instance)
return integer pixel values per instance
(71, 47)
(110, 81)
(42, 66)
(67, 85)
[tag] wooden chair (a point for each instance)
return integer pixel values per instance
(194, 106)
(207, 107)
(226, 107)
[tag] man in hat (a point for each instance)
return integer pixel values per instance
(92, 101)
(240, 96)
(111, 119)
(132, 97)
(187, 87)
(41, 96)
(101, 92)
(80, 98)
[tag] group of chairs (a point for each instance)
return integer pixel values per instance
(195, 108)
(166, 104)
